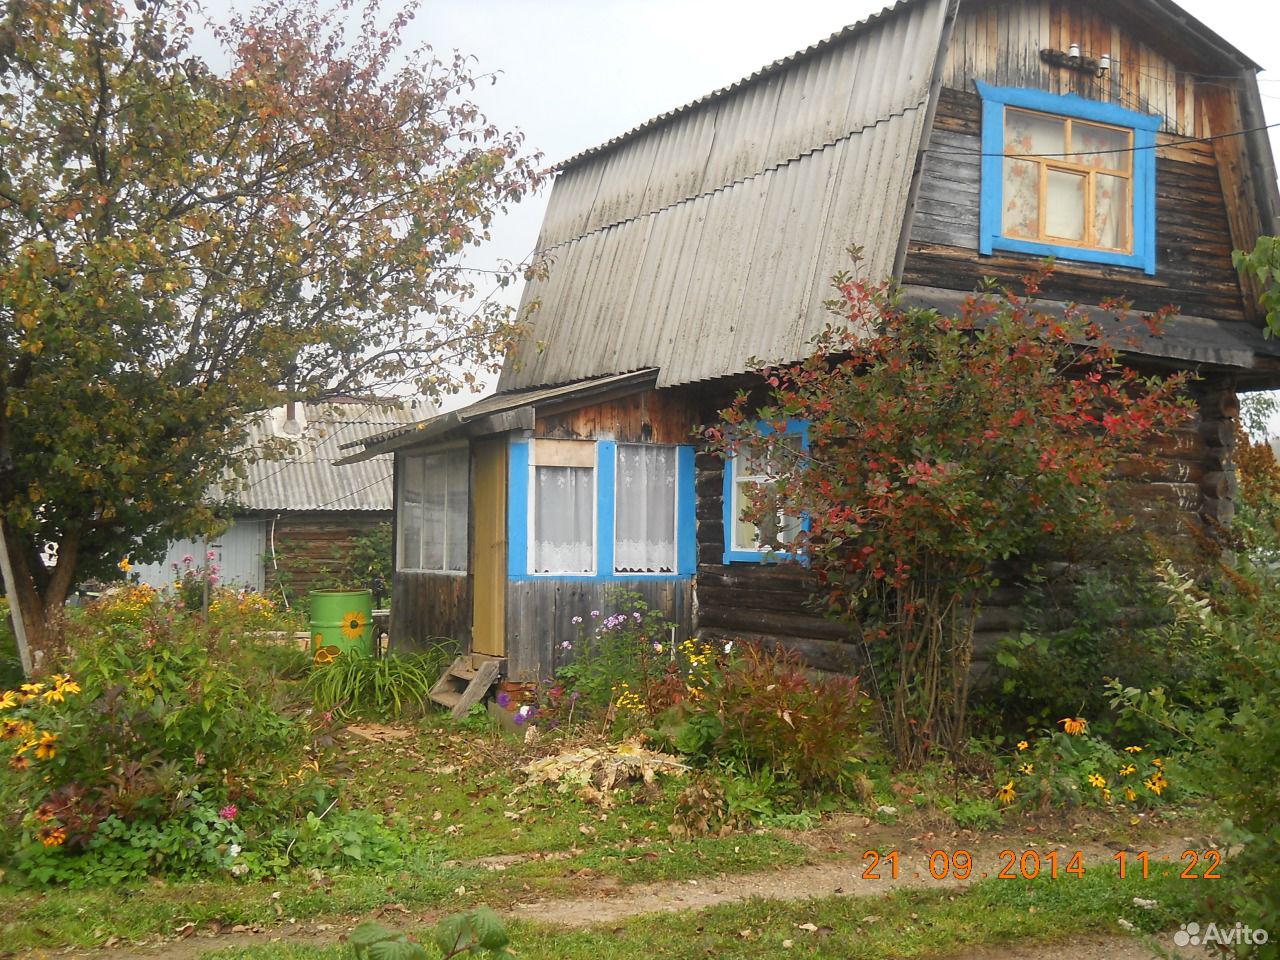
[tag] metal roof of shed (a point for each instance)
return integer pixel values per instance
(308, 477)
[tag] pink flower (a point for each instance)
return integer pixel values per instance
(228, 812)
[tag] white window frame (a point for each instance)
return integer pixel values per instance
(448, 568)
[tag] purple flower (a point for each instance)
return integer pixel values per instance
(228, 812)
(188, 560)
(636, 615)
(594, 614)
(519, 719)
(574, 695)
(566, 645)
(576, 620)
(504, 699)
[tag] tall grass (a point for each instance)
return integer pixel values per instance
(385, 688)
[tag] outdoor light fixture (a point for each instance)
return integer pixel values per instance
(1072, 59)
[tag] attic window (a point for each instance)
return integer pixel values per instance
(1067, 177)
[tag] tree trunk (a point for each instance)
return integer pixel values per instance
(42, 609)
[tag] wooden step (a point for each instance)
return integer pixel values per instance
(466, 682)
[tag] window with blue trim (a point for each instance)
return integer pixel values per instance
(1067, 177)
(749, 475)
(600, 510)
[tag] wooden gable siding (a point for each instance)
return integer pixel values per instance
(311, 549)
(652, 416)
(1000, 42)
(1193, 233)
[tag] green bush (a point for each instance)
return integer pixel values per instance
(1099, 625)
(1233, 730)
(155, 739)
(388, 687)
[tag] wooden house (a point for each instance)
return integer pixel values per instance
(951, 140)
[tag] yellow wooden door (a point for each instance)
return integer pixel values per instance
(489, 553)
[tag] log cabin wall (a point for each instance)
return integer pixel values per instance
(311, 549)
(651, 416)
(1193, 235)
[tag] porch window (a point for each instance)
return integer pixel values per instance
(754, 472)
(563, 535)
(431, 512)
(645, 509)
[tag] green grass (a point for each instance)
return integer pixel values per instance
(907, 923)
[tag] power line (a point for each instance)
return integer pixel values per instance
(1098, 153)
(352, 493)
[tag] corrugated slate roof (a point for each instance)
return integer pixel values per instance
(307, 478)
(708, 236)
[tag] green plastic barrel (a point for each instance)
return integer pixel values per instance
(341, 623)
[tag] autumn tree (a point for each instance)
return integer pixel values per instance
(938, 449)
(182, 244)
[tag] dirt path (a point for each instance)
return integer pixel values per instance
(840, 878)
(841, 874)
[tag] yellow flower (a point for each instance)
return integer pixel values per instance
(10, 729)
(1074, 726)
(1006, 794)
(52, 836)
(63, 683)
(1128, 770)
(52, 694)
(8, 698)
(1129, 794)
(353, 624)
(1157, 762)
(46, 750)
(1132, 749)
(1097, 780)
(1027, 769)
(1106, 795)
(1022, 744)
(19, 762)
(124, 565)
(31, 690)
(1156, 784)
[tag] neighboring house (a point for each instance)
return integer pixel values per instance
(296, 512)
(950, 139)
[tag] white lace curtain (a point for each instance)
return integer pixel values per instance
(563, 520)
(645, 534)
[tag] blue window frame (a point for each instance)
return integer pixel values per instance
(1096, 204)
(740, 474)
(522, 522)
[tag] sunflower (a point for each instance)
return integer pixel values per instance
(1097, 780)
(52, 836)
(124, 565)
(8, 698)
(1129, 794)
(53, 694)
(1006, 794)
(10, 729)
(1132, 749)
(1022, 745)
(46, 749)
(19, 762)
(353, 624)
(31, 690)
(1074, 726)
(1128, 770)
(1027, 769)
(1156, 784)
